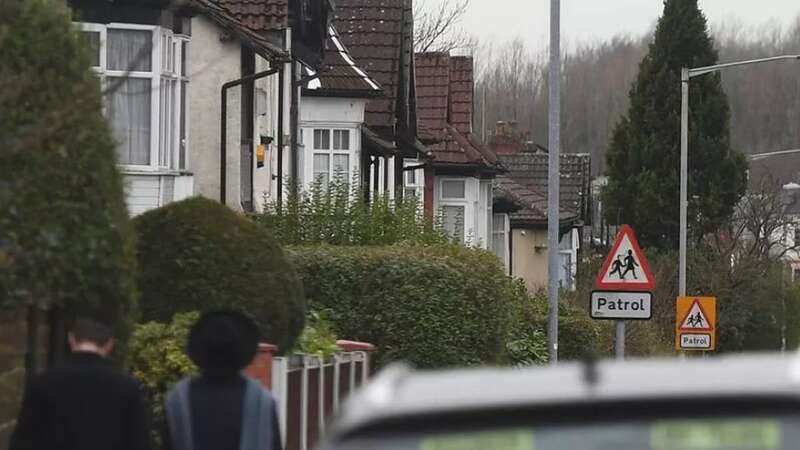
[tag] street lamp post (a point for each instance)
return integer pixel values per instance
(686, 76)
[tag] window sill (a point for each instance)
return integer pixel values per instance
(154, 172)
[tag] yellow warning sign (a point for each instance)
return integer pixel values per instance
(696, 323)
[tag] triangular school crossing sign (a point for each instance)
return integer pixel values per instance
(696, 319)
(625, 267)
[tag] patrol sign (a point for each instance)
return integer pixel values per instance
(621, 305)
(696, 323)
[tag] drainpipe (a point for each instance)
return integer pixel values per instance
(223, 128)
(280, 137)
(293, 113)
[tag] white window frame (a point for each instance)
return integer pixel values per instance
(155, 76)
(418, 185)
(458, 202)
(351, 152)
(505, 232)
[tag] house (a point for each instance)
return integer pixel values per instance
(169, 66)
(378, 36)
(332, 117)
(520, 209)
(458, 177)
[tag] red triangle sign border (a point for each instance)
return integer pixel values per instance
(626, 230)
(689, 311)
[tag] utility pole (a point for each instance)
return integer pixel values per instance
(553, 181)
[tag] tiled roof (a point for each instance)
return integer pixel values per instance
(372, 31)
(259, 15)
(532, 204)
(340, 75)
(461, 91)
(444, 110)
(239, 18)
(530, 170)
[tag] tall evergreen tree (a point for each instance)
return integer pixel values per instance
(644, 155)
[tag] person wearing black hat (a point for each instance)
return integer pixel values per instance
(222, 409)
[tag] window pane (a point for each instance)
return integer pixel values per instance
(92, 40)
(322, 139)
(341, 167)
(184, 56)
(498, 223)
(183, 143)
(411, 177)
(129, 50)
(453, 189)
(410, 193)
(322, 169)
(453, 222)
(128, 109)
(341, 139)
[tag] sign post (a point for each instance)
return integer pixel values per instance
(624, 286)
(696, 324)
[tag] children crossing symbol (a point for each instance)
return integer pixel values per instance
(625, 268)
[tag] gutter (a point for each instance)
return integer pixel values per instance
(223, 126)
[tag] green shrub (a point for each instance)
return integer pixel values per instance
(197, 255)
(318, 337)
(433, 306)
(157, 358)
(65, 238)
(339, 214)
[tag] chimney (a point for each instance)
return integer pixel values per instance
(461, 93)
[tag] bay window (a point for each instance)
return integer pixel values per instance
(331, 155)
(145, 81)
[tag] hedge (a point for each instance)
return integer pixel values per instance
(432, 306)
(197, 255)
(65, 238)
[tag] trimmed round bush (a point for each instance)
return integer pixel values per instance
(199, 255)
(65, 236)
(432, 306)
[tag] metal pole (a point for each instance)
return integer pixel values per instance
(553, 179)
(620, 339)
(684, 177)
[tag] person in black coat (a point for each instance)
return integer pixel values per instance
(84, 405)
(221, 409)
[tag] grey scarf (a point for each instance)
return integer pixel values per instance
(257, 417)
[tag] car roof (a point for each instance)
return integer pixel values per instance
(399, 392)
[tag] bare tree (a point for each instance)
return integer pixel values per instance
(436, 26)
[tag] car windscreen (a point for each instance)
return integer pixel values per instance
(702, 433)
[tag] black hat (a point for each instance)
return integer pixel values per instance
(223, 342)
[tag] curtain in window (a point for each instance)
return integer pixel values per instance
(129, 50)
(499, 236)
(128, 109)
(341, 167)
(322, 169)
(453, 189)
(453, 222)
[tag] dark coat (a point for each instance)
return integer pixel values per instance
(85, 405)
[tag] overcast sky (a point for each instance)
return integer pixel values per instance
(586, 20)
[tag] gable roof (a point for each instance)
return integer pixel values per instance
(339, 75)
(373, 31)
(529, 174)
(530, 206)
(250, 21)
(444, 111)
